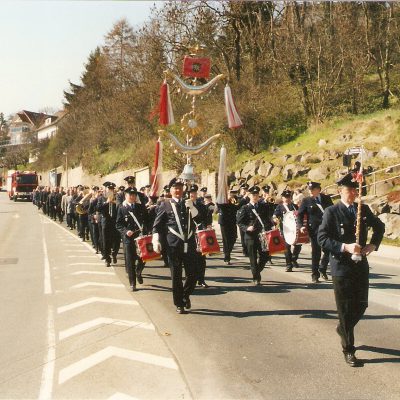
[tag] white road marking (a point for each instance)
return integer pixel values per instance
(46, 385)
(46, 263)
(81, 256)
(122, 396)
(86, 263)
(88, 362)
(102, 321)
(93, 273)
(99, 284)
(92, 300)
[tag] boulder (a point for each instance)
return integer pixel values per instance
(281, 187)
(302, 170)
(392, 225)
(305, 157)
(275, 149)
(386, 152)
(275, 172)
(238, 174)
(250, 168)
(289, 172)
(394, 207)
(322, 142)
(382, 188)
(378, 205)
(265, 169)
(346, 137)
(285, 157)
(319, 173)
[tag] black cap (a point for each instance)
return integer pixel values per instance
(244, 186)
(122, 188)
(166, 188)
(130, 190)
(286, 193)
(80, 187)
(313, 185)
(193, 188)
(141, 189)
(208, 196)
(112, 185)
(233, 191)
(266, 188)
(106, 184)
(174, 182)
(130, 179)
(348, 180)
(203, 189)
(95, 188)
(148, 186)
(254, 190)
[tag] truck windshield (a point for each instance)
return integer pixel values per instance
(27, 179)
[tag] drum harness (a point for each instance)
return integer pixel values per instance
(264, 246)
(136, 222)
(181, 235)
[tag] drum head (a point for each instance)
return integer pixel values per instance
(290, 227)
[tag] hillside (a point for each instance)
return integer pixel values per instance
(317, 153)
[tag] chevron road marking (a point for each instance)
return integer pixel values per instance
(88, 362)
(99, 284)
(102, 321)
(92, 300)
(93, 273)
(122, 396)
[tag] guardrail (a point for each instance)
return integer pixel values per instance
(375, 182)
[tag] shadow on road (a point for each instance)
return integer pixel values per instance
(381, 350)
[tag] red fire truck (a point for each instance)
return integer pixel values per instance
(21, 184)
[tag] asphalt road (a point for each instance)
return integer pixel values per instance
(70, 329)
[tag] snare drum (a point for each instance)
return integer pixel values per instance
(145, 249)
(273, 241)
(207, 242)
(291, 230)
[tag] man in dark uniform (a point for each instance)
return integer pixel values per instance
(337, 234)
(92, 219)
(203, 192)
(202, 222)
(280, 211)
(177, 215)
(227, 221)
(253, 219)
(131, 222)
(243, 199)
(120, 196)
(313, 208)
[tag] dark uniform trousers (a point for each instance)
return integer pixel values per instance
(83, 226)
(290, 255)
(317, 264)
(131, 258)
(257, 257)
(94, 232)
(229, 236)
(111, 238)
(351, 295)
(350, 279)
(177, 260)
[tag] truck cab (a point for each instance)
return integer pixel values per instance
(21, 184)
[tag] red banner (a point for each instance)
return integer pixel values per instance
(195, 67)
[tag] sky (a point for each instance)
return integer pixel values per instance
(44, 44)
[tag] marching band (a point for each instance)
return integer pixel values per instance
(178, 228)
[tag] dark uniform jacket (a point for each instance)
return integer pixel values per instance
(338, 227)
(246, 217)
(125, 222)
(314, 214)
(165, 218)
(227, 214)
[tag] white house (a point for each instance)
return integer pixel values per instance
(50, 126)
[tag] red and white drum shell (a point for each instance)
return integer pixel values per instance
(274, 241)
(291, 230)
(207, 242)
(145, 248)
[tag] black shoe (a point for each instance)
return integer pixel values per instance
(289, 268)
(83, 240)
(139, 278)
(108, 264)
(295, 264)
(258, 283)
(188, 304)
(227, 263)
(352, 360)
(315, 279)
(114, 259)
(180, 310)
(133, 288)
(203, 284)
(102, 258)
(270, 261)
(71, 228)
(324, 276)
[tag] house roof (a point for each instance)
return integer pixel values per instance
(55, 119)
(34, 118)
